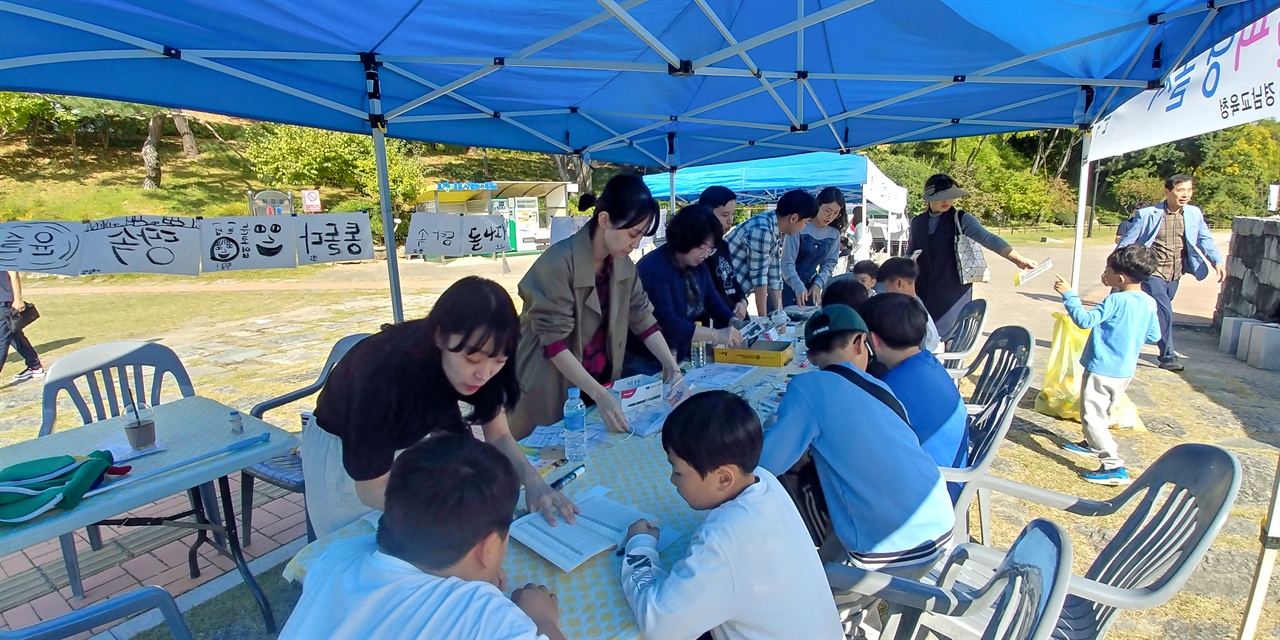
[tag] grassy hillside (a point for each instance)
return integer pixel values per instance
(44, 182)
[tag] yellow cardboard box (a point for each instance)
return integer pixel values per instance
(764, 353)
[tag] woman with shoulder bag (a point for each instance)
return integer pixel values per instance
(11, 324)
(950, 243)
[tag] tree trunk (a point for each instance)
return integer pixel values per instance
(106, 133)
(75, 149)
(573, 169)
(953, 151)
(1043, 151)
(1066, 155)
(189, 146)
(151, 152)
(973, 155)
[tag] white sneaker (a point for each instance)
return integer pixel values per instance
(29, 373)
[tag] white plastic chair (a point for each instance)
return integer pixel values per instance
(111, 373)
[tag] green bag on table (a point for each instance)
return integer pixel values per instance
(29, 489)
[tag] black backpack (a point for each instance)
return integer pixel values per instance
(801, 481)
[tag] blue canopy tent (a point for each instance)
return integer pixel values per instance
(661, 83)
(766, 179)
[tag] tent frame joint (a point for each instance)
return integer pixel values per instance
(499, 61)
(1154, 19)
(959, 78)
(170, 52)
(803, 128)
(1154, 84)
(685, 69)
(802, 75)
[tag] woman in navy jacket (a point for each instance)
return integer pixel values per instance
(679, 286)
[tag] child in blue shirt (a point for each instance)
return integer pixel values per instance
(938, 417)
(1124, 321)
(887, 500)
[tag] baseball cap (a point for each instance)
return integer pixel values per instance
(834, 318)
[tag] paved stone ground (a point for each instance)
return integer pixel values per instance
(245, 360)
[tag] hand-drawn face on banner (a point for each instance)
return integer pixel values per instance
(47, 247)
(248, 242)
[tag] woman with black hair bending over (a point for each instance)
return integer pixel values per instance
(404, 383)
(581, 297)
(809, 258)
(934, 234)
(678, 282)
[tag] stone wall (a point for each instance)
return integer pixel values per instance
(1252, 289)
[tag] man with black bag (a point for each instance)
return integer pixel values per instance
(15, 315)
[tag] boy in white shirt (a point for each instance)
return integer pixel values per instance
(435, 568)
(751, 570)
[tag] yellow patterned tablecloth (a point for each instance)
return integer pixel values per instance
(637, 472)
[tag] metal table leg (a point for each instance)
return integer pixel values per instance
(233, 545)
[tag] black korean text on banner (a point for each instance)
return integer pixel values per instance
(141, 244)
(248, 242)
(40, 247)
(333, 237)
(453, 235)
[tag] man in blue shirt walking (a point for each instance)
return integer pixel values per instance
(1124, 321)
(1176, 231)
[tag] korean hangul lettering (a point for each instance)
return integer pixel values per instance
(1224, 108)
(1269, 93)
(1215, 68)
(42, 245)
(1180, 83)
(1256, 94)
(1245, 104)
(1256, 32)
(1235, 104)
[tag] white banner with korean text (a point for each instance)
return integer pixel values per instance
(1234, 82)
(455, 235)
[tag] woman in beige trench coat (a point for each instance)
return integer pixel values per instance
(581, 297)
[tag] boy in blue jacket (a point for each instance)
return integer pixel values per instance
(1124, 321)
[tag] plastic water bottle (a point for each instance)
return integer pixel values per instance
(575, 427)
(698, 351)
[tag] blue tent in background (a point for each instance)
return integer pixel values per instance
(660, 83)
(764, 180)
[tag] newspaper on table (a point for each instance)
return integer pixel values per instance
(602, 525)
(718, 375)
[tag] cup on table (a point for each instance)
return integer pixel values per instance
(140, 426)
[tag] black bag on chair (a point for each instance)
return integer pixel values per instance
(801, 481)
(28, 315)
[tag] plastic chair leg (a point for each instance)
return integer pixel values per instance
(68, 543)
(984, 515)
(246, 509)
(95, 537)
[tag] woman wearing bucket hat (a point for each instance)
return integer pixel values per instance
(936, 235)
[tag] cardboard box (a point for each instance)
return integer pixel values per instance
(635, 390)
(763, 353)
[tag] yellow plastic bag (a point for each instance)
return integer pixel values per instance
(1061, 394)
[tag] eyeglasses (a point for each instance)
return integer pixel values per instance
(710, 252)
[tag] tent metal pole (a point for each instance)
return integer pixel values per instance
(388, 224)
(671, 210)
(1266, 563)
(1077, 251)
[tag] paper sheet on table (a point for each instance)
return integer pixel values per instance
(554, 436)
(649, 419)
(120, 450)
(718, 375)
(601, 525)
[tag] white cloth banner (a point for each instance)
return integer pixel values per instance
(330, 237)
(453, 235)
(1233, 83)
(40, 247)
(141, 244)
(248, 242)
(563, 227)
(883, 192)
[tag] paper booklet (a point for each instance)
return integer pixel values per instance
(601, 526)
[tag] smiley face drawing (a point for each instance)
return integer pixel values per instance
(270, 247)
(224, 249)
